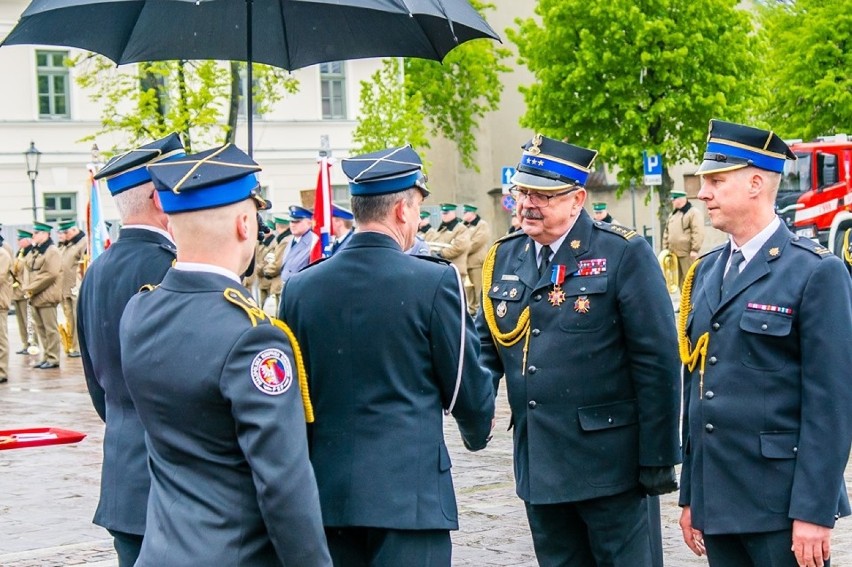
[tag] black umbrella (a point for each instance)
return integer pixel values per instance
(285, 33)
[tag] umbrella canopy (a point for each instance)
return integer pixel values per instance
(286, 33)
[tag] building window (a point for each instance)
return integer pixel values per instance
(333, 85)
(52, 79)
(60, 206)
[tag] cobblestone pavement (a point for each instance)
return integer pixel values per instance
(49, 494)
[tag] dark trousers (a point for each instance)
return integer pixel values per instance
(380, 547)
(769, 549)
(611, 531)
(127, 546)
(654, 530)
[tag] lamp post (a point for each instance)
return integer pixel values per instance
(33, 157)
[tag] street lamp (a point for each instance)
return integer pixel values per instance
(33, 157)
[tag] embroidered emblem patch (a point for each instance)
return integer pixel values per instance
(272, 372)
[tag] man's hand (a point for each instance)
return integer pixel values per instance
(694, 539)
(811, 544)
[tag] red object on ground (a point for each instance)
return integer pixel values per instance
(37, 437)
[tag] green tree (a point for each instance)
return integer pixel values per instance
(452, 96)
(808, 63)
(389, 117)
(624, 76)
(150, 100)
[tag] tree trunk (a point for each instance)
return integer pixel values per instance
(181, 77)
(665, 206)
(234, 105)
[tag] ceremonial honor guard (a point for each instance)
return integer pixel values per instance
(18, 273)
(452, 239)
(388, 344)
(425, 230)
(480, 241)
(270, 256)
(140, 256)
(297, 253)
(342, 222)
(219, 387)
(43, 291)
(600, 213)
(73, 249)
(766, 342)
(576, 315)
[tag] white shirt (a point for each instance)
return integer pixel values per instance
(554, 246)
(753, 246)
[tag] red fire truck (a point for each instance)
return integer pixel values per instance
(815, 197)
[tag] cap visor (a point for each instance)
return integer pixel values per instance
(540, 183)
(708, 166)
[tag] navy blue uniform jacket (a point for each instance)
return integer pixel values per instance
(231, 483)
(380, 331)
(599, 395)
(767, 439)
(137, 258)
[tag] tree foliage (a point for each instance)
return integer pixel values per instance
(150, 100)
(389, 117)
(809, 57)
(624, 76)
(452, 96)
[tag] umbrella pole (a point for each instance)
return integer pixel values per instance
(250, 89)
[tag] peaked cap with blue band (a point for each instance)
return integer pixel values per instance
(206, 180)
(733, 146)
(128, 170)
(550, 165)
(342, 213)
(298, 213)
(386, 171)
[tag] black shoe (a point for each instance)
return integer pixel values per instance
(38, 364)
(74, 354)
(22, 351)
(47, 365)
(3, 380)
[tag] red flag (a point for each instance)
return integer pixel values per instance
(322, 212)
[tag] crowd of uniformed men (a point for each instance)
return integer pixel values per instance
(39, 277)
(316, 437)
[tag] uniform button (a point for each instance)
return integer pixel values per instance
(764, 327)
(708, 428)
(532, 369)
(716, 326)
(609, 420)
(795, 449)
(536, 332)
(709, 395)
(712, 360)
(583, 288)
(531, 404)
(505, 293)
(537, 297)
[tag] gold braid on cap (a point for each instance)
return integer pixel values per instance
(521, 330)
(689, 356)
(256, 314)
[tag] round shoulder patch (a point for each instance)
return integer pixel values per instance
(272, 372)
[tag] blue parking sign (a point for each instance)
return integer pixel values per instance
(652, 164)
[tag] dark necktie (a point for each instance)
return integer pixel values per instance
(544, 260)
(733, 272)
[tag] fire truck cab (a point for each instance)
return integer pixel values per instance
(815, 196)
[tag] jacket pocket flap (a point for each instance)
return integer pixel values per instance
(606, 416)
(779, 444)
(508, 291)
(766, 323)
(584, 285)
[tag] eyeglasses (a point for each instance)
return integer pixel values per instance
(539, 200)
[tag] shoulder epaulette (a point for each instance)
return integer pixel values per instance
(247, 304)
(148, 287)
(811, 246)
(624, 232)
(435, 259)
(711, 251)
(517, 234)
